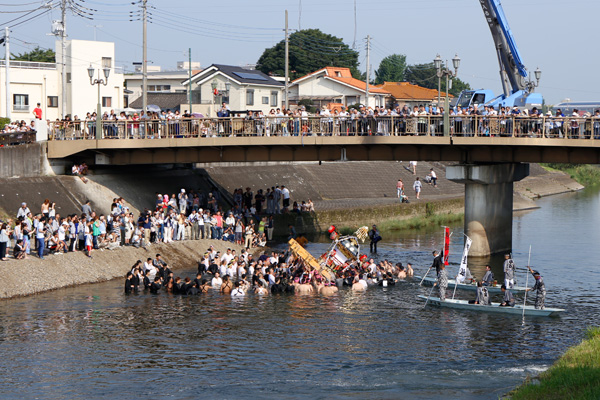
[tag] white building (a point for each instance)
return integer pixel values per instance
(33, 82)
(242, 89)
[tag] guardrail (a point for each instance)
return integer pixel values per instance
(15, 138)
(425, 125)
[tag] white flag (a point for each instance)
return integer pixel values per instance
(463, 271)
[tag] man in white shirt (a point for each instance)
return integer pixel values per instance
(227, 257)
(23, 211)
(285, 194)
(216, 282)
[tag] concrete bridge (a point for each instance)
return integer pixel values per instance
(488, 160)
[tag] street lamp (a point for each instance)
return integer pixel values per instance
(441, 72)
(91, 73)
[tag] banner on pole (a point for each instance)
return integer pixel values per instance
(446, 245)
(463, 271)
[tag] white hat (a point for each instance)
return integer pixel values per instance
(182, 190)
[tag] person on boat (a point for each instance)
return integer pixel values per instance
(488, 278)
(540, 287)
(442, 282)
(437, 261)
(463, 275)
(508, 300)
(483, 296)
(509, 271)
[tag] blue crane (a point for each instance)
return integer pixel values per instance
(518, 90)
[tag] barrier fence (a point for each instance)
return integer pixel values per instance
(426, 125)
(15, 138)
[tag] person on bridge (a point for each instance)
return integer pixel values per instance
(540, 287)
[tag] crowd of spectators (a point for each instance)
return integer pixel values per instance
(339, 120)
(19, 127)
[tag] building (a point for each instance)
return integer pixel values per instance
(242, 89)
(412, 95)
(158, 82)
(335, 85)
(35, 82)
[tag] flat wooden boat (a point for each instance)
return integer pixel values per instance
(429, 281)
(494, 307)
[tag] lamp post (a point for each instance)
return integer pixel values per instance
(213, 85)
(98, 82)
(531, 85)
(441, 72)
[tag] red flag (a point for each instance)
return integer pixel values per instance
(446, 245)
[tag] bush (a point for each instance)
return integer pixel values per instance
(4, 122)
(308, 104)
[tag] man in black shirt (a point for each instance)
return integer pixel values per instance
(156, 285)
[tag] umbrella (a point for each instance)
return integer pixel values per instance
(197, 115)
(153, 108)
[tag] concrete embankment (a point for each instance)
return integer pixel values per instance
(33, 275)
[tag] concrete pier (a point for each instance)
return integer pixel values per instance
(488, 203)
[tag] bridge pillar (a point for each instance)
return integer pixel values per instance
(488, 203)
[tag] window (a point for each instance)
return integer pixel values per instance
(274, 99)
(338, 74)
(249, 97)
(106, 62)
(20, 102)
(53, 101)
(196, 97)
(265, 100)
(159, 88)
(107, 102)
(68, 77)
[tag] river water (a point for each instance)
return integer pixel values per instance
(92, 341)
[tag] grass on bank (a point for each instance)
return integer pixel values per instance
(576, 375)
(414, 223)
(586, 174)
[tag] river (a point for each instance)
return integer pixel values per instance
(92, 341)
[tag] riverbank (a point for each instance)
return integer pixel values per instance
(57, 271)
(576, 375)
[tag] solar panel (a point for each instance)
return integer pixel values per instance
(250, 75)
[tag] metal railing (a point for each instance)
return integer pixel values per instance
(424, 125)
(15, 138)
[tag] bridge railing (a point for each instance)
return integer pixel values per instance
(420, 125)
(15, 138)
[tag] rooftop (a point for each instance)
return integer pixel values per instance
(409, 91)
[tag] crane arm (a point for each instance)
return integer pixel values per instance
(512, 71)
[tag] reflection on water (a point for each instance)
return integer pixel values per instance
(92, 341)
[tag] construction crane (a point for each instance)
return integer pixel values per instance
(518, 88)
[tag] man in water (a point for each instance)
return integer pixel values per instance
(442, 282)
(374, 237)
(488, 278)
(508, 300)
(540, 287)
(509, 271)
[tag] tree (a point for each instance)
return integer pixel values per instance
(391, 69)
(38, 55)
(310, 50)
(426, 75)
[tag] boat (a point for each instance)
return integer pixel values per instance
(530, 311)
(495, 289)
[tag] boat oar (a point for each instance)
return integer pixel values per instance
(427, 300)
(526, 282)
(425, 276)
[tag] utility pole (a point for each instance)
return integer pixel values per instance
(287, 62)
(145, 58)
(190, 78)
(368, 70)
(63, 74)
(7, 65)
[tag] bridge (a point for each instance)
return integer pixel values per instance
(491, 153)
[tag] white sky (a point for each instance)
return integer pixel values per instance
(558, 36)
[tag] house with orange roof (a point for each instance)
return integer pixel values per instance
(409, 94)
(335, 85)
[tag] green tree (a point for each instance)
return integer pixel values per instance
(391, 69)
(310, 50)
(38, 55)
(426, 75)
